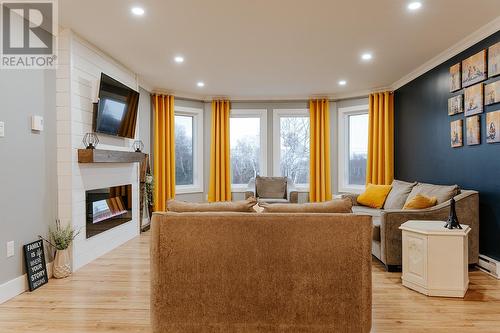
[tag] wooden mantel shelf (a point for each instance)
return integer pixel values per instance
(108, 156)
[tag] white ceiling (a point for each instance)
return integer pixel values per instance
(274, 49)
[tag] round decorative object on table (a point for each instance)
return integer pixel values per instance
(138, 146)
(90, 140)
(62, 264)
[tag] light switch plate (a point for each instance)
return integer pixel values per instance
(2, 129)
(10, 249)
(37, 123)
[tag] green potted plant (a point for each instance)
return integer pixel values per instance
(62, 237)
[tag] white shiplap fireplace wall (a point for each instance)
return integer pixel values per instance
(78, 76)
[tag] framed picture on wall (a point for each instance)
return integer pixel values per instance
(456, 132)
(473, 100)
(474, 69)
(492, 93)
(456, 105)
(455, 79)
(493, 127)
(473, 126)
(494, 60)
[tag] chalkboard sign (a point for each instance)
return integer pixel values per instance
(36, 270)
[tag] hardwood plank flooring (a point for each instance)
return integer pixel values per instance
(111, 294)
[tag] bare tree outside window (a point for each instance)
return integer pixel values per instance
(184, 150)
(245, 149)
(294, 146)
(358, 148)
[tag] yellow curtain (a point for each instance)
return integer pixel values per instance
(220, 167)
(320, 171)
(380, 164)
(164, 150)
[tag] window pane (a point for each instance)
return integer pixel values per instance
(245, 149)
(294, 145)
(184, 150)
(358, 148)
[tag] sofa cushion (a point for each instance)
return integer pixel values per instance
(224, 206)
(332, 206)
(441, 192)
(374, 196)
(374, 212)
(420, 202)
(271, 187)
(398, 195)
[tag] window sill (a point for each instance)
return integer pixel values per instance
(352, 189)
(239, 188)
(186, 189)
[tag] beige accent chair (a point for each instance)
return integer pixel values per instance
(386, 243)
(272, 190)
(251, 272)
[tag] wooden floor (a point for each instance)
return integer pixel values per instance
(111, 294)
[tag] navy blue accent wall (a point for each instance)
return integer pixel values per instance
(423, 151)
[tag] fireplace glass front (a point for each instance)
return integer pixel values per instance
(107, 208)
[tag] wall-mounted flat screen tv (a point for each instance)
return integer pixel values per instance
(117, 108)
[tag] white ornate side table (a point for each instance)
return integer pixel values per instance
(435, 259)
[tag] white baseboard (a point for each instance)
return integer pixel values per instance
(17, 286)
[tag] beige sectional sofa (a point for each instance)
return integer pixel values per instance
(253, 272)
(386, 243)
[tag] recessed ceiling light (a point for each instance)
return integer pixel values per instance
(179, 59)
(366, 56)
(414, 5)
(137, 11)
(342, 82)
(200, 84)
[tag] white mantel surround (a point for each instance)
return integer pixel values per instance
(78, 76)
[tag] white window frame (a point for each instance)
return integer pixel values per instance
(277, 114)
(253, 113)
(197, 115)
(343, 151)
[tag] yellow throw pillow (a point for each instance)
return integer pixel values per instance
(420, 202)
(374, 196)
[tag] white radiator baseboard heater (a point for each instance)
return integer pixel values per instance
(489, 265)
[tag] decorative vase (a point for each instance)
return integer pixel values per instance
(62, 264)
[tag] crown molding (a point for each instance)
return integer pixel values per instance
(478, 35)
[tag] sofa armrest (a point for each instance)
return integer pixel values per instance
(467, 207)
(352, 196)
(292, 195)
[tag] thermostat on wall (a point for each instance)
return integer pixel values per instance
(37, 123)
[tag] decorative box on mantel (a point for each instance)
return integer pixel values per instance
(435, 259)
(109, 156)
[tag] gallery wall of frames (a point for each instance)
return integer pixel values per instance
(471, 94)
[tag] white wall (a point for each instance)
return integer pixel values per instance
(78, 78)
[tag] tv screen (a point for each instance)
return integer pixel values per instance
(117, 108)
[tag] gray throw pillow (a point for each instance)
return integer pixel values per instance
(441, 192)
(271, 187)
(398, 194)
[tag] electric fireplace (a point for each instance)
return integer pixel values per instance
(107, 208)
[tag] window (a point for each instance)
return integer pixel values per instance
(353, 148)
(291, 145)
(248, 133)
(188, 149)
